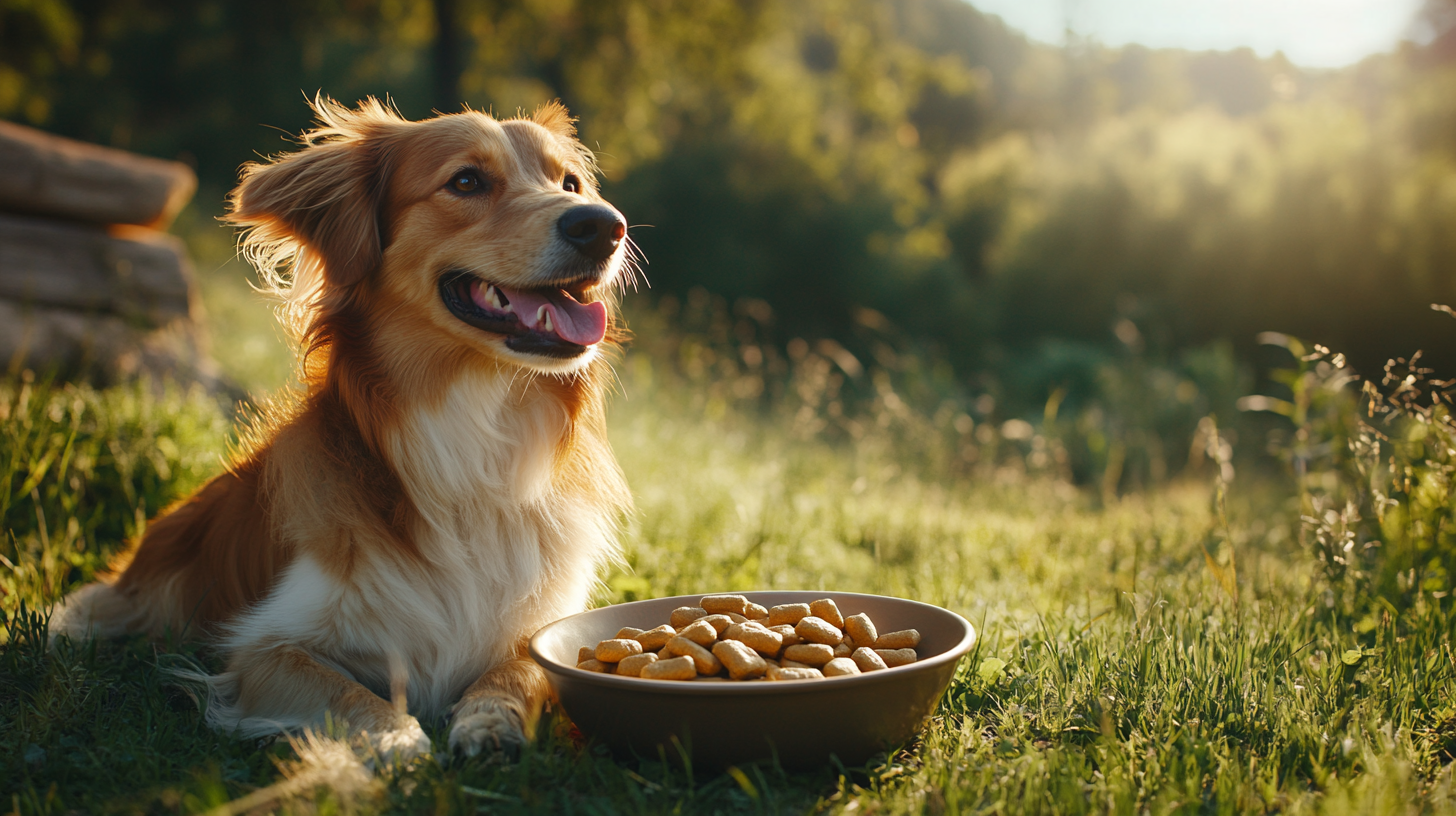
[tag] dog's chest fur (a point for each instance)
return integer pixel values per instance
(503, 548)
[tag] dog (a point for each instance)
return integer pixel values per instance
(442, 486)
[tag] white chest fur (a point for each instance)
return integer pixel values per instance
(505, 549)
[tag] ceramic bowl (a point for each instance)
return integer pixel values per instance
(800, 723)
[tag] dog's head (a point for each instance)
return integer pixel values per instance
(458, 237)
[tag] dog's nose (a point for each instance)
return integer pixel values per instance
(594, 230)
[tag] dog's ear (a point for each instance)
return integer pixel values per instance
(326, 197)
(554, 117)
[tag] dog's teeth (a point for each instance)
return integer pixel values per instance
(546, 324)
(492, 296)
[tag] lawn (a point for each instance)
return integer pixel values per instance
(1194, 647)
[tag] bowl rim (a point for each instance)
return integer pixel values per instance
(729, 688)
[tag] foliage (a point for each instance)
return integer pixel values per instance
(1307, 216)
(1075, 227)
(1375, 468)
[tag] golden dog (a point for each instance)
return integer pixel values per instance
(445, 486)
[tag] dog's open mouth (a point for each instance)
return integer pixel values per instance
(555, 321)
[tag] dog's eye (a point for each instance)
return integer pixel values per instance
(466, 181)
(571, 184)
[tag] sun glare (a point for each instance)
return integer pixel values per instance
(1312, 33)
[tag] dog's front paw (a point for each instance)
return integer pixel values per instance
(399, 745)
(491, 727)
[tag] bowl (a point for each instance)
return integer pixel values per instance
(798, 723)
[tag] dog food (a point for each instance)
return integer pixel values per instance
(674, 668)
(859, 628)
(787, 614)
(614, 650)
(867, 660)
(794, 673)
(730, 635)
(633, 666)
(654, 639)
(896, 657)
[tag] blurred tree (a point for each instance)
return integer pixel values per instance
(446, 56)
(206, 81)
(1237, 81)
(987, 193)
(37, 40)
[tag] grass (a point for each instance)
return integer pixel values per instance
(1173, 650)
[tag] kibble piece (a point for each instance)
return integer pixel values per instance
(861, 629)
(612, 651)
(812, 654)
(684, 615)
(867, 660)
(897, 657)
(700, 632)
(818, 630)
(718, 622)
(764, 641)
(633, 666)
(826, 608)
(675, 668)
(903, 639)
(742, 662)
(702, 658)
(788, 642)
(776, 673)
(654, 639)
(787, 633)
(787, 613)
(721, 604)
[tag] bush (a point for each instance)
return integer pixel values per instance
(1375, 466)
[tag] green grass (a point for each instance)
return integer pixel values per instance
(1145, 653)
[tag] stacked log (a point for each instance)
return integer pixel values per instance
(90, 284)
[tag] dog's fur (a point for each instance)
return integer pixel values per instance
(434, 496)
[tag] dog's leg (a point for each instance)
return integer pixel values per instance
(287, 685)
(96, 610)
(499, 710)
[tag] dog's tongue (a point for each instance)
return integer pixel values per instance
(582, 323)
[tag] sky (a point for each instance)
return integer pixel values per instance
(1312, 33)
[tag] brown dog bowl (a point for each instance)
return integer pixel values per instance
(800, 723)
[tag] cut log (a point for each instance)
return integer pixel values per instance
(56, 338)
(42, 174)
(133, 273)
(103, 349)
